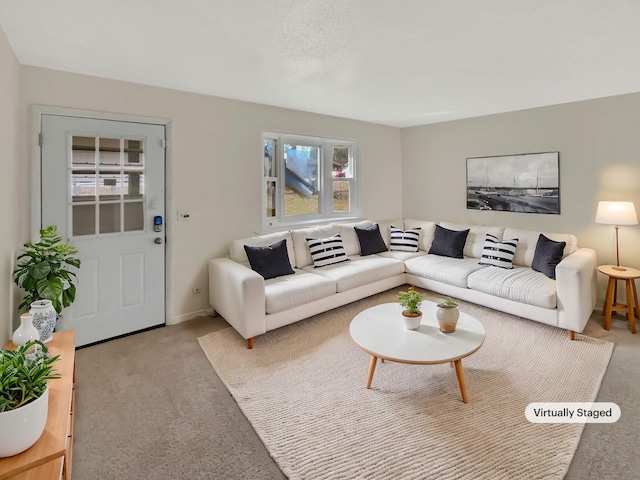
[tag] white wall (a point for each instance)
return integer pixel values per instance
(599, 147)
(216, 150)
(9, 93)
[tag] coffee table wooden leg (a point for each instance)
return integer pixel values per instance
(460, 374)
(372, 368)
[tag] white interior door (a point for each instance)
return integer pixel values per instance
(103, 184)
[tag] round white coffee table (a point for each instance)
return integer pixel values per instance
(380, 332)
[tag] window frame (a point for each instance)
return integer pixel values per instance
(325, 180)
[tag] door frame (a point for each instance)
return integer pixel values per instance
(36, 173)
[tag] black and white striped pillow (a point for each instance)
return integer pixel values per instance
(327, 251)
(498, 253)
(404, 241)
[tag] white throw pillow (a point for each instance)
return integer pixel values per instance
(498, 253)
(327, 251)
(402, 241)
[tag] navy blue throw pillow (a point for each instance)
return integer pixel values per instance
(547, 255)
(449, 243)
(271, 261)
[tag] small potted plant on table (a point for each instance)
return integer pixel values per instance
(447, 315)
(411, 300)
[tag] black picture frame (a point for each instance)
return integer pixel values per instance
(524, 183)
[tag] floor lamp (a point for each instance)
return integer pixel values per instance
(616, 213)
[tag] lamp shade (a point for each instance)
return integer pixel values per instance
(616, 213)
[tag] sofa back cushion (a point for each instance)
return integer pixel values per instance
(477, 234)
(238, 254)
(528, 239)
(427, 231)
(300, 246)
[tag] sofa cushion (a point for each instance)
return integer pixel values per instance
(385, 229)
(521, 284)
(360, 271)
(327, 251)
(238, 254)
(349, 237)
(404, 241)
(528, 240)
(477, 233)
(547, 255)
(498, 253)
(283, 293)
(427, 231)
(271, 261)
(448, 243)
(449, 270)
(300, 246)
(371, 241)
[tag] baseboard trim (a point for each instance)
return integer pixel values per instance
(190, 316)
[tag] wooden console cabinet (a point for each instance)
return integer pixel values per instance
(50, 456)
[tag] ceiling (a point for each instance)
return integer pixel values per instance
(393, 62)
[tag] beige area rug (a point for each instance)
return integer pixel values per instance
(303, 389)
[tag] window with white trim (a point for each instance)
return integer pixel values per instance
(308, 179)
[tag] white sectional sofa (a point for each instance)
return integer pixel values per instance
(253, 305)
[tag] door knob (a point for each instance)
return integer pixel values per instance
(158, 240)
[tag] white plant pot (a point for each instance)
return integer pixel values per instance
(21, 428)
(411, 323)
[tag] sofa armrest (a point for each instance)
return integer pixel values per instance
(576, 285)
(237, 293)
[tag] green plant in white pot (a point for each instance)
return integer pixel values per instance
(24, 395)
(411, 300)
(45, 270)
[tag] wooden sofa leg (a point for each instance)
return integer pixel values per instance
(250, 343)
(214, 313)
(572, 334)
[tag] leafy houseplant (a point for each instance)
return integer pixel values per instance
(448, 303)
(24, 374)
(43, 271)
(411, 301)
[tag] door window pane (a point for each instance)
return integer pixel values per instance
(133, 152)
(83, 187)
(109, 218)
(341, 196)
(133, 216)
(109, 151)
(133, 184)
(84, 220)
(109, 186)
(83, 151)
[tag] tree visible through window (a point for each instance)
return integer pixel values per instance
(307, 178)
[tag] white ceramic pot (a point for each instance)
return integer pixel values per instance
(448, 318)
(26, 331)
(21, 428)
(411, 322)
(44, 318)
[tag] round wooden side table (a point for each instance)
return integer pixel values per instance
(628, 275)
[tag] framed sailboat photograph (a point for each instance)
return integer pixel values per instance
(525, 183)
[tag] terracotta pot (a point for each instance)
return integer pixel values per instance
(448, 318)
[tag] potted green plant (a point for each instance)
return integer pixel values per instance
(24, 396)
(411, 300)
(447, 315)
(45, 271)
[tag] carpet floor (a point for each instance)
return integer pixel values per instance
(302, 390)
